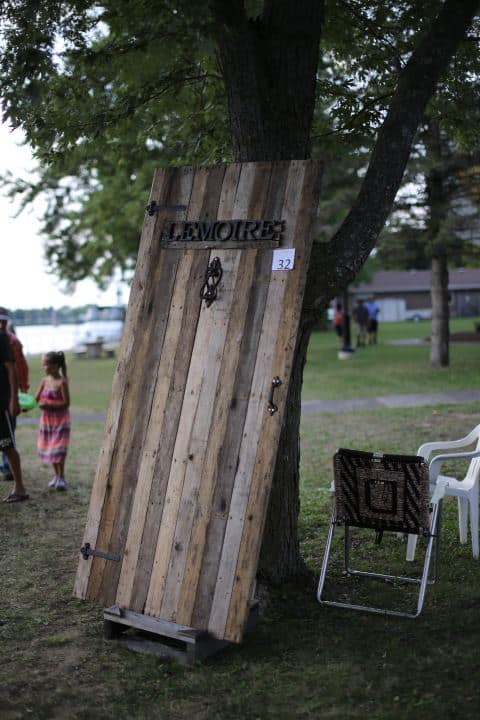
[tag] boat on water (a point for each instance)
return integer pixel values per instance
(101, 323)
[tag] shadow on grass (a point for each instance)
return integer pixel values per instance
(303, 661)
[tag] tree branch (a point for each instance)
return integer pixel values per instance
(359, 232)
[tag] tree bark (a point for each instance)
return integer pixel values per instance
(269, 66)
(439, 341)
(438, 204)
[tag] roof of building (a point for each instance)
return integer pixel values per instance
(416, 280)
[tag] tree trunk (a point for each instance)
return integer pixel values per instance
(270, 88)
(280, 556)
(439, 342)
(438, 206)
(269, 66)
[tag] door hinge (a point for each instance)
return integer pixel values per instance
(88, 551)
(154, 207)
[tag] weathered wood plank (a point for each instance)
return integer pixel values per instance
(168, 431)
(209, 346)
(155, 625)
(227, 245)
(161, 188)
(148, 459)
(201, 512)
(181, 454)
(283, 355)
(131, 431)
(152, 314)
(171, 383)
(189, 448)
(187, 468)
(256, 415)
(229, 453)
(238, 197)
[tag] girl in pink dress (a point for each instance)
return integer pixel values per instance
(53, 398)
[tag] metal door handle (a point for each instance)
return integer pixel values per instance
(272, 408)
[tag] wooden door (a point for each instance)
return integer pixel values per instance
(184, 473)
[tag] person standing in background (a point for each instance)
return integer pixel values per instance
(21, 370)
(9, 409)
(53, 397)
(372, 328)
(338, 322)
(361, 317)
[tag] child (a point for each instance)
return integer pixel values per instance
(338, 323)
(53, 399)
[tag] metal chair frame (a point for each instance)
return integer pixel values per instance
(433, 541)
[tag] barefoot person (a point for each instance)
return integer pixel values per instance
(9, 409)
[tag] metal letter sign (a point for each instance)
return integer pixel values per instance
(183, 478)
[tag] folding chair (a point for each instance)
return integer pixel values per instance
(384, 493)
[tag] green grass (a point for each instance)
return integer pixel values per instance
(379, 370)
(386, 369)
(304, 661)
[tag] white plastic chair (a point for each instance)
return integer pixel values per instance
(466, 490)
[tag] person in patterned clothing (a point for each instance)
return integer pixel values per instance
(9, 409)
(21, 369)
(53, 398)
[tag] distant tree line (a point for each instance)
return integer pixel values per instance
(48, 315)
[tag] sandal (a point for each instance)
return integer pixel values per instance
(15, 497)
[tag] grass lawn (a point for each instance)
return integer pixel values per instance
(304, 661)
(386, 369)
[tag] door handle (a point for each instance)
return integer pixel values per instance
(272, 408)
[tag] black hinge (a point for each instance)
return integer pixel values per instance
(88, 551)
(154, 207)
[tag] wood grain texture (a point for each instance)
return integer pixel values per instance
(256, 418)
(161, 188)
(190, 445)
(184, 474)
(299, 211)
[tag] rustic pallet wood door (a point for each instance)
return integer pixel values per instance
(184, 473)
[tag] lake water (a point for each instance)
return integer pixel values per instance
(37, 339)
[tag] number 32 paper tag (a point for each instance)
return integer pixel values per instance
(283, 259)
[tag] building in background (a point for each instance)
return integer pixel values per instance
(405, 294)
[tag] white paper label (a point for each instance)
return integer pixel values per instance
(283, 259)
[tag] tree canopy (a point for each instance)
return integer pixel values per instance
(107, 92)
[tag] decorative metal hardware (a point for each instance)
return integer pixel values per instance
(213, 275)
(155, 207)
(272, 408)
(88, 551)
(237, 231)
